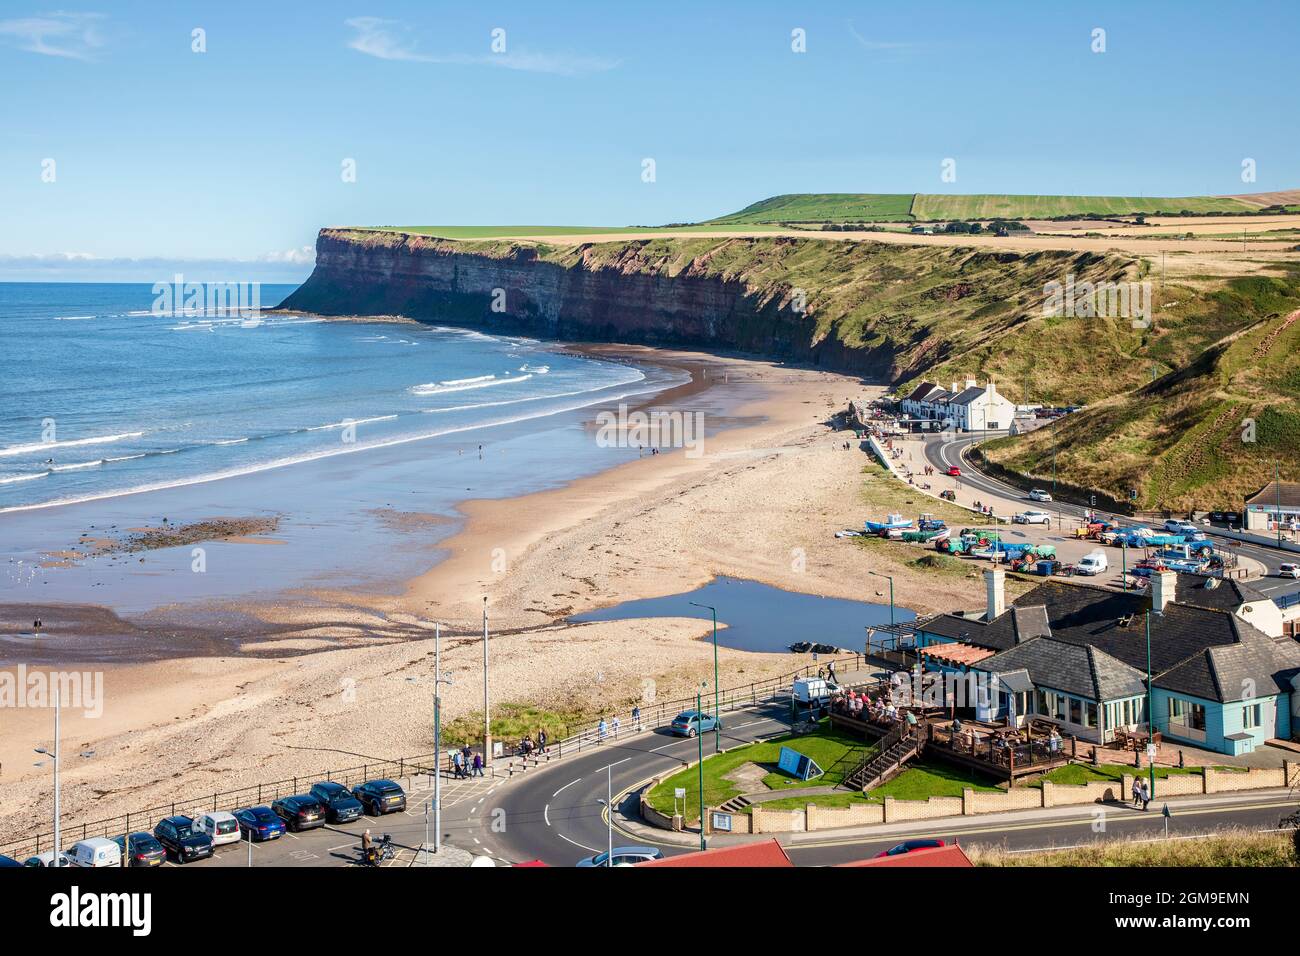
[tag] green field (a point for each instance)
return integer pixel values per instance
(826, 207)
(920, 207)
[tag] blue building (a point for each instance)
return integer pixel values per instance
(1076, 655)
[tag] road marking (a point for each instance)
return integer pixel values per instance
(565, 787)
(577, 844)
(664, 747)
(546, 814)
(616, 763)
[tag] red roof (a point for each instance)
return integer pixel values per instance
(768, 853)
(932, 856)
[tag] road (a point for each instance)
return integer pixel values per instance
(942, 454)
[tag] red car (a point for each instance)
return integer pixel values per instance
(909, 846)
(954, 471)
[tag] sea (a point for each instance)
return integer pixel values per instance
(113, 415)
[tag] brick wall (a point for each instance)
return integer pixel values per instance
(854, 815)
(1056, 795)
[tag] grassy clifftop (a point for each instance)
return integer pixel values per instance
(921, 207)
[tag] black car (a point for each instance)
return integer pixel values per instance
(380, 797)
(179, 840)
(300, 812)
(339, 804)
(140, 849)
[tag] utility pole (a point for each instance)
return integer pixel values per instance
(1277, 488)
(487, 726)
(717, 730)
(891, 593)
(437, 738)
(699, 739)
(1151, 716)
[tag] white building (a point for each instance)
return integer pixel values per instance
(976, 409)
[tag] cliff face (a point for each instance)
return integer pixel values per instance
(625, 292)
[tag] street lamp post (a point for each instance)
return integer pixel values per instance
(1151, 716)
(891, 593)
(608, 803)
(438, 681)
(53, 754)
(487, 726)
(717, 732)
(699, 738)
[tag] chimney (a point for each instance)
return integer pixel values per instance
(995, 593)
(971, 383)
(1163, 586)
(955, 389)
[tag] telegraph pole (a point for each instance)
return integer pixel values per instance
(487, 727)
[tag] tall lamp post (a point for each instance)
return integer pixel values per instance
(608, 804)
(717, 732)
(438, 681)
(890, 578)
(1151, 715)
(53, 754)
(699, 739)
(487, 725)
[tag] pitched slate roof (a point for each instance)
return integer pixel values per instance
(1096, 643)
(921, 391)
(967, 395)
(1224, 594)
(1268, 495)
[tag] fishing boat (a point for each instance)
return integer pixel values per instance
(891, 522)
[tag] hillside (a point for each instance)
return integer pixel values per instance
(922, 207)
(1184, 440)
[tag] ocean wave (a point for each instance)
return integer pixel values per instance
(230, 441)
(441, 388)
(10, 479)
(46, 446)
(536, 369)
(350, 421)
(76, 466)
(72, 318)
(126, 457)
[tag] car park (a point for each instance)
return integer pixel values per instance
(1038, 494)
(691, 722)
(178, 838)
(140, 849)
(1032, 517)
(623, 856)
(380, 797)
(340, 806)
(259, 824)
(219, 826)
(47, 859)
(1288, 571)
(300, 812)
(907, 846)
(95, 852)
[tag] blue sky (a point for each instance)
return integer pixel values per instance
(236, 153)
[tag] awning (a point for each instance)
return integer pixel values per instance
(1015, 682)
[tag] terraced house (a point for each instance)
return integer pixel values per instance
(1076, 655)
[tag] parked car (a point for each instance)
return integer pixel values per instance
(1175, 526)
(1288, 570)
(380, 797)
(96, 852)
(47, 859)
(300, 812)
(261, 823)
(140, 849)
(178, 838)
(220, 826)
(339, 804)
(954, 471)
(1038, 494)
(8, 861)
(691, 722)
(907, 846)
(1228, 517)
(623, 856)
(1032, 517)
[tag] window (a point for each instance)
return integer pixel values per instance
(1041, 705)
(1251, 716)
(1061, 710)
(1186, 714)
(1076, 710)
(1090, 715)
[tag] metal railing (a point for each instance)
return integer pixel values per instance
(654, 715)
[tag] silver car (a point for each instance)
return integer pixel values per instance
(623, 856)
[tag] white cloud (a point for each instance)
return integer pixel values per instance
(877, 45)
(389, 40)
(303, 255)
(72, 35)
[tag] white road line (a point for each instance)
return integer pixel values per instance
(577, 844)
(664, 747)
(546, 814)
(565, 787)
(616, 763)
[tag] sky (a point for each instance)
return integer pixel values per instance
(124, 150)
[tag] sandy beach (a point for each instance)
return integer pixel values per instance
(321, 680)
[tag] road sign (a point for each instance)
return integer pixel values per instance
(1152, 750)
(722, 821)
(679, 793)
(797, 765)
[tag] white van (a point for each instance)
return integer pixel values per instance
(1094, 562)
(97, 851)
